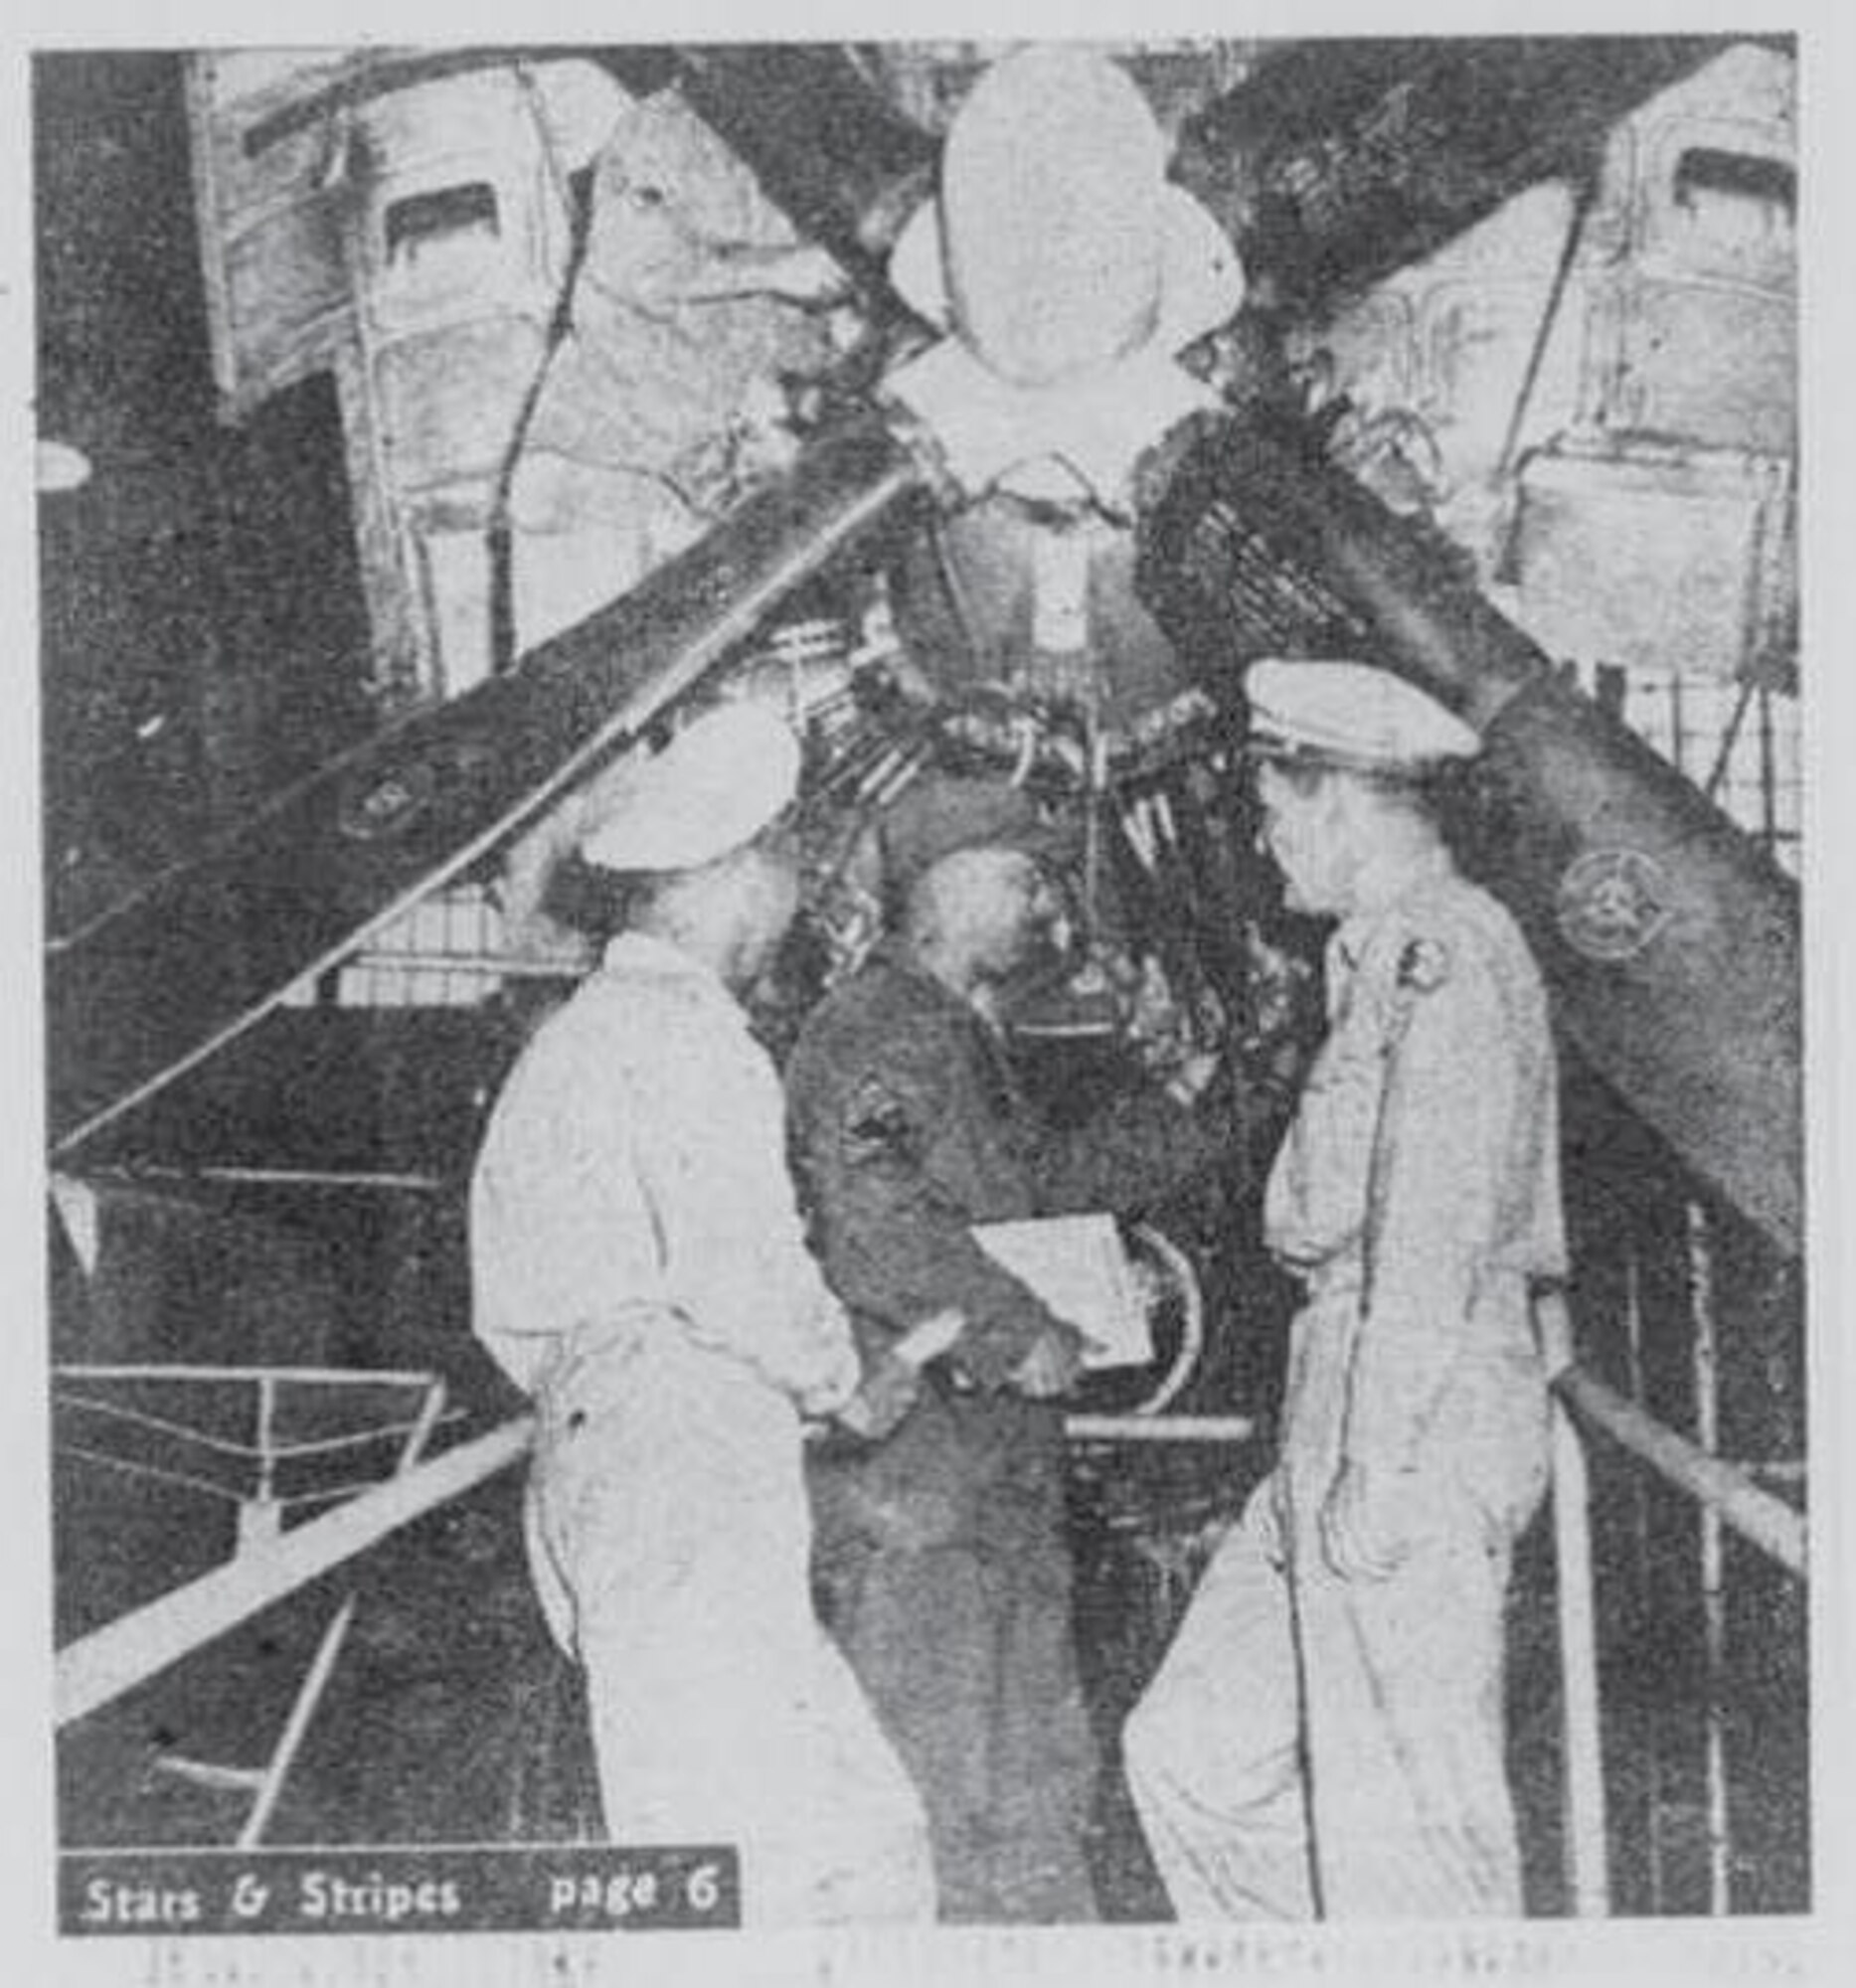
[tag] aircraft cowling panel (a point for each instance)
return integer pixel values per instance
(1669, 937)
(161, 980)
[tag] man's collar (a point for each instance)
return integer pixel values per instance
(1384, 883)
(640, 952)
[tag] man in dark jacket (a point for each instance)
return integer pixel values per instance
(942, 1550)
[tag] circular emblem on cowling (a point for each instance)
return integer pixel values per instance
(1611, 902)
(387, 802)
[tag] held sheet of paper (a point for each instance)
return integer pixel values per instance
(508, 1913)
(1076, 1263)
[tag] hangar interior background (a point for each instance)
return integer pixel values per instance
(1536, 298)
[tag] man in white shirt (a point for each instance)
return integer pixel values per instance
(640, 1271)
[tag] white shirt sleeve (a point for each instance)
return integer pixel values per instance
(562, 1235)
(639, 1161)
(739, 1268)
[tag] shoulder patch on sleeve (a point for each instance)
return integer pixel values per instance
(877, 1121)
(1424, 965)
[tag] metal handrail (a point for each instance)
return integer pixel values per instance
(1756, 1515)
(125, 1653)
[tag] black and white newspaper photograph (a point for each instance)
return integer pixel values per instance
(918, 1060)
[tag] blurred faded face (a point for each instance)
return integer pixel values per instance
(763, 888)
(1032, 927)
(1303, 831)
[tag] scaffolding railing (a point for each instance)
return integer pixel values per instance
(109, 1662)
(133, 1420)
(125, 1653)
(115, 1659)
(1726, 1495)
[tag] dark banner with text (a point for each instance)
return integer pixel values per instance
(552, 1888)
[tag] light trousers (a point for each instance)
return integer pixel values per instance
(671, 1521)
(1313, 1747)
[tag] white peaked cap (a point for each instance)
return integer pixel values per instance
(1350, 715)
(718, 783)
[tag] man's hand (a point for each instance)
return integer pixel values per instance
(893, 1379)
(886, 1394)
(1192, 1078)
(1368, 1522)
(1051, 1367)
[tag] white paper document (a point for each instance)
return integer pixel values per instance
(1077, 1265)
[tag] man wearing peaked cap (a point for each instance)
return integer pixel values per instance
(1324, 1736)
(639, 1270)
(1346, 713)
(713, 789)
(942, 1550)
